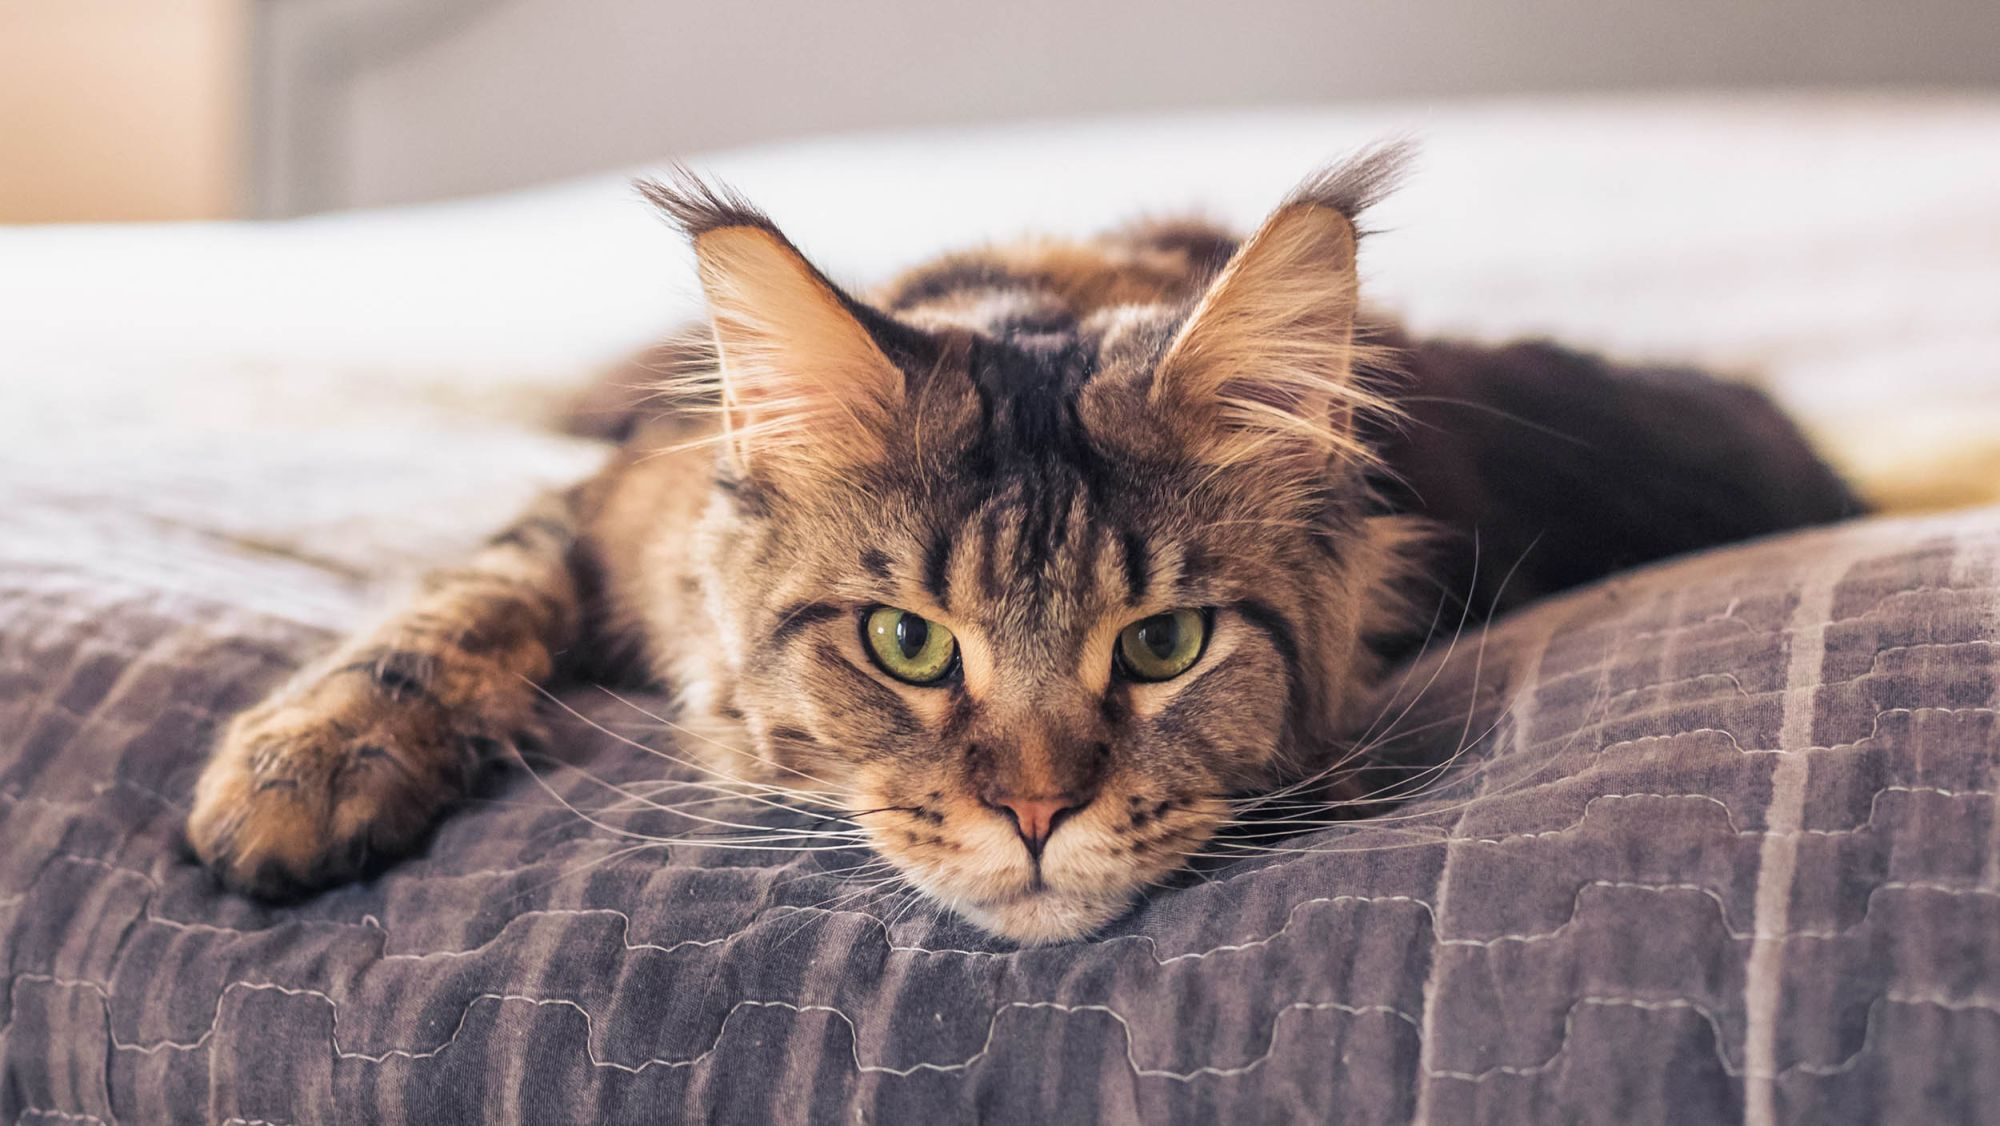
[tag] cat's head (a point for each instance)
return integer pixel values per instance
(1034, 584)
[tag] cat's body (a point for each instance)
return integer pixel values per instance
(1029, 565)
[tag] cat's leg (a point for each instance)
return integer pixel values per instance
(352, 760)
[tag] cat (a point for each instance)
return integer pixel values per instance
(1026, 564)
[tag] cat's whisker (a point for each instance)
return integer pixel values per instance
(716, 743)
(1390, 822)
(640, 798)
(848, 874)
(586, 865)
(811, 913)
(910, 899)
(1285, 796)
(1479, 659)
(859, 890)
(692, 842)
(1301, 816)
(723, 782)
(863, 893)
(1401, 791)
(727, 783)
(1396, 794)
(1234, 841)
(1412, 664)
(736, 783)
(1488, 408)
(650, 803)
(1365, 744)
(647, 797)
(771, 838)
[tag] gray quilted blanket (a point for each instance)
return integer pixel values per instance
(1714, 841)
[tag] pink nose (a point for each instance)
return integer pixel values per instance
(1035, 818)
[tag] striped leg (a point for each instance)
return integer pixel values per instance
(351, 761)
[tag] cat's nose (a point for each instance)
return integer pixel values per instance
(1035, 818)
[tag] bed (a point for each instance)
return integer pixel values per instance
(1719, 839)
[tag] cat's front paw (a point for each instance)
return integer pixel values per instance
(308, 791)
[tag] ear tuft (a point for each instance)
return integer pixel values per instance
(804, 384)
(1358, 183)
(698, 206)
(1267, 362)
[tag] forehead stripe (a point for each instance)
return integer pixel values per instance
(1270, 620)
(989, 537)
(937, 568)
(1138, 564)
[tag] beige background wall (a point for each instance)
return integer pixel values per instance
(375, 101)
(119, 109)
(131, 109)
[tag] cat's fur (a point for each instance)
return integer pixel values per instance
(1037, 445)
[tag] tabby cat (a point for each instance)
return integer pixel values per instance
(1030, 560)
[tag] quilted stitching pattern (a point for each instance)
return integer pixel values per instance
(1724, 844)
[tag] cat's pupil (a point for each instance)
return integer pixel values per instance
(1161, 635)
(912, 633)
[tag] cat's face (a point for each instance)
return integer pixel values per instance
(1033, 599)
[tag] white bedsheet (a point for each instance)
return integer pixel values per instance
(1843, 250)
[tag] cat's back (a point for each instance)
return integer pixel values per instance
(1058, 284)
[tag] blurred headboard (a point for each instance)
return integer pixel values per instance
(359, 102)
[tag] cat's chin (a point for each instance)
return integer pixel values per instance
(1038, 917)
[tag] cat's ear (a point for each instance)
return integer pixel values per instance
(805, 382)
(1266, 363)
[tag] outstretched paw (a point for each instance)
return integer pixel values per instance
(316, 789)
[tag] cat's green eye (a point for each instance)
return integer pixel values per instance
(907, 647)
(1163, 646)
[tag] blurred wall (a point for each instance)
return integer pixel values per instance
(377, 101)
(360, 102)
(120, 109)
